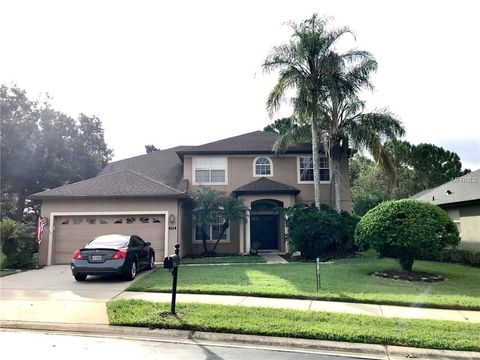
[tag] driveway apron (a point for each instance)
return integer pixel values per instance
(51, 294)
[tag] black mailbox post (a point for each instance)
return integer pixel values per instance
(171, 262)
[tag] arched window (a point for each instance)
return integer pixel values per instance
(262, 166)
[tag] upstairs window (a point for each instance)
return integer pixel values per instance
(263, 166)
(210, 170)
(305, 169)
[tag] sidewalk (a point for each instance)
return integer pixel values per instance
(388, 311)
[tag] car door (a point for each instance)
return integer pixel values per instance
(142, 251)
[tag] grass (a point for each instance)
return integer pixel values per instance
(300, 324)
(347, 280)
(6, 272)
(239, 259)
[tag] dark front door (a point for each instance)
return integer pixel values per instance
(264, 231)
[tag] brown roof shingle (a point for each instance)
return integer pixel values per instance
(462, 189)
(265, 185)
(256, 142)
(119, 184)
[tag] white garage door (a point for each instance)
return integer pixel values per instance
(73, 232)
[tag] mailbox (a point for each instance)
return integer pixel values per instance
(171, 262)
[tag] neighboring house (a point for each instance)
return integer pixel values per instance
(148, 195)
(460, 198)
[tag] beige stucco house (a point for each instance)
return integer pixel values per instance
(460, 198)
(148, 195)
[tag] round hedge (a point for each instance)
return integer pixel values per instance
(405, 229)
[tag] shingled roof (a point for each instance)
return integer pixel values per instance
(163, 166)
(158, 174)
(264, 185)
(119, 184)
(463, 189)
(256, 142)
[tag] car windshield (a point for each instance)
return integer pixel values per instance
(109, 242)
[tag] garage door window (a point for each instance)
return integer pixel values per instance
(144, 220)
(65, 222)
(103, 221)
(131, 220)
(91, 221)
(77, 221)
(118, 221)
(156, 220)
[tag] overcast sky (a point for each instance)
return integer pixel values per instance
(189, 72)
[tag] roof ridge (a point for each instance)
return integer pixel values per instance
(145, 155)
(273, 181)
(153, 180)
(454, 180)
(82, 181)
(232, 137)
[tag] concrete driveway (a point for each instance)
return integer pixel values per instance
(51, 294)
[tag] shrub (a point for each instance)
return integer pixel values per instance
(405, 229)
(467, 257)
(320, 233)
(18, 243)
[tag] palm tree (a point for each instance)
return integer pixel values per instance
(304, 65)
(343, 124)
(210, 206)
(351, 126)
(230, 209)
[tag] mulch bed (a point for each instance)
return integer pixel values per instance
(409, 276)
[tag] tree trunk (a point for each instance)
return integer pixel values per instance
(316, 167)
(204, 242)
(338, 192)
(224, 228)
(336, 155)
(406, 260)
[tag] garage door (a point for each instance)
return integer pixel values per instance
(73, 232)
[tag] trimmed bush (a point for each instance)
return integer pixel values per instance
(405, 229)
(321, 233)
(467, 257)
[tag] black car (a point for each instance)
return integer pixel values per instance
(114, 254)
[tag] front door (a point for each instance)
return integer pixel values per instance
(264, 231)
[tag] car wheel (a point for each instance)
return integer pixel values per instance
(151, 261)
(80, 277)
(132, 271)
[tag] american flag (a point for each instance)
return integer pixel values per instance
(40, 226)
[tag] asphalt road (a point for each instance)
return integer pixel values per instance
(20, 344)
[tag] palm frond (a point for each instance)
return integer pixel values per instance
(369, 131)
(295, 135)
(287, 78)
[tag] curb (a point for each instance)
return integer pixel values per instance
(358, 350)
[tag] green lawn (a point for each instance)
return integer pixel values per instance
(346, 280)
(6, 272)
(239, 259)
(294, 323)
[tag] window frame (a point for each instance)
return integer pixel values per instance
(255, 166)
(300, 181)
(199, 241)
(196, 159)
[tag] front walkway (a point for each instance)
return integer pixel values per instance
(273, 258)
(388, 311)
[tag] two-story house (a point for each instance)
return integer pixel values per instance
(148, 195)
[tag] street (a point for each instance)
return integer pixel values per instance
(26, 344)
